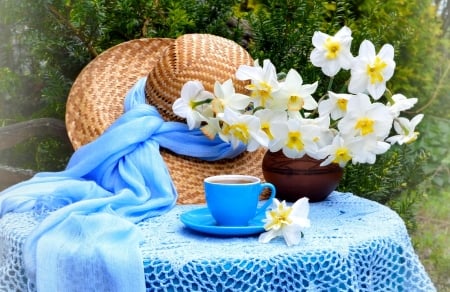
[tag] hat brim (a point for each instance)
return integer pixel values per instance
(96, 100)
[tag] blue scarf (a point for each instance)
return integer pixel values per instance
(87, 239)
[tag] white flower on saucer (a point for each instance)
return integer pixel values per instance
(286, 221)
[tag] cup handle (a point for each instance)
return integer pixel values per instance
(269, 201)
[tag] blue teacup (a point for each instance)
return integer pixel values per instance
(233, 199)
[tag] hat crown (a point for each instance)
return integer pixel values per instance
(202, 57)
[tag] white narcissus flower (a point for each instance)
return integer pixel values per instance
(193, 95)
(365, 118)
(264, 81)
(267, 118)
(289, 138)
(286, 221)
(297, 137)
(317, 134)
(405, 130)
(226, 97)
(335, 105)
(401, 103)
(331, 53)
(370, 72)
(293, 95)
(337, 152)
(242, 128)
(366, 148)
(360, 149)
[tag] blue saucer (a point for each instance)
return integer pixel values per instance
(201, 220)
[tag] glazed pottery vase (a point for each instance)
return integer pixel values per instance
(301, 177)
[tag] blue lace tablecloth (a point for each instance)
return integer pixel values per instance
(353, 244)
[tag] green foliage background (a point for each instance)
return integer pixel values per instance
(45, 44)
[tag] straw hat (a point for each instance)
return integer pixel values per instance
(96, 98)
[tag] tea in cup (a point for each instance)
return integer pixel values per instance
(233, 199)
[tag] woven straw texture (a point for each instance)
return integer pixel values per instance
(96, 98)
(201, 57)
(97, 95)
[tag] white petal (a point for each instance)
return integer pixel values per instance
(246, 72)
(179, 108)
(367, 50)
(386, 52)
(301, 208)
(292, 234)
(268, 236)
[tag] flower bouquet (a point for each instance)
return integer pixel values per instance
(282, 114)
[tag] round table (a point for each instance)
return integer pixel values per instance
(353, 244)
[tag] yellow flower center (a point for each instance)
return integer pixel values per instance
(294, 141)
(413, 137)
(263, 91)
(279, 217)
(342, 155)
(295, 103)
(342, 104)
(265, 127)
(374, 70)
(365, 126)
(241, 132)
(333, 48)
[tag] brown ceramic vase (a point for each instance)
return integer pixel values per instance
(301, 177)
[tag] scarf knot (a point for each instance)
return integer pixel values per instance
(115, 181)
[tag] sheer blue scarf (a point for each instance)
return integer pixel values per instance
(87, 239)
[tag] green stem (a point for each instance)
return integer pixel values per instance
(201, 102)
(330, 84)
(389, 96)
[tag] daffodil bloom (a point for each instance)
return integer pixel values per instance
(293, 95)
(335, 105)
(226, 97)
(286, 221)
(268, 118)
(405, 130)
(338, 152)
(399, 102)
(264, 81)
(366, 148)
(295, 138)
(332, 53)
(365, 118)
(289, 138)
(193, 96)
(371, 71)
(359, 149)
(317, 134)
(243, 128)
